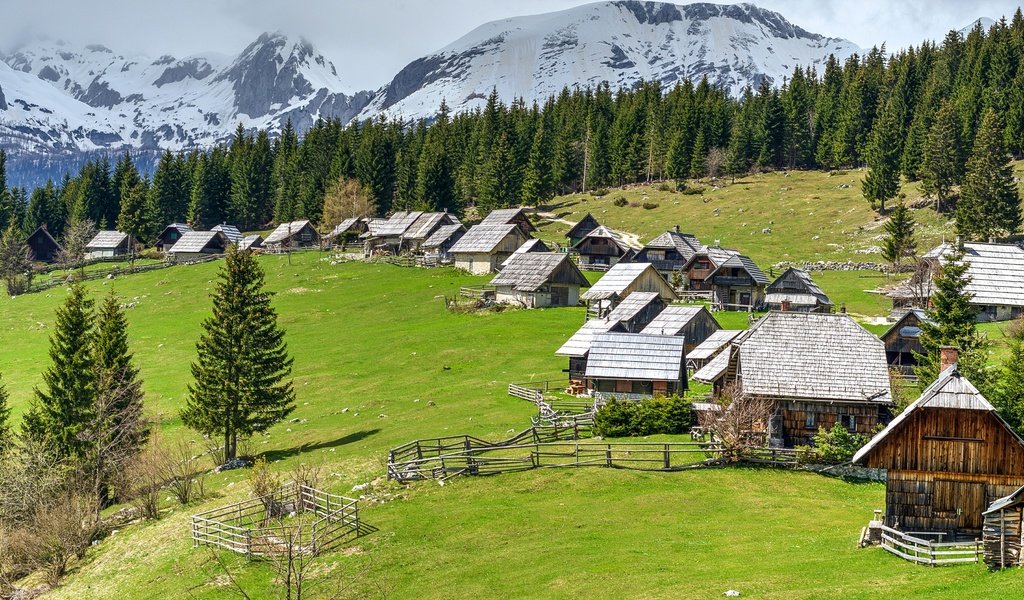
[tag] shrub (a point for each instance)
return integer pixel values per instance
(665, 187)
(650, 205)
(651, 416)
(620, 201)
(837, 444)
(693, 191)
(599, 192)
(151, 253)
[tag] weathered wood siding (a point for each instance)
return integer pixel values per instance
(795, 414)
(698, 329)
(929, 501)
(650, 281)
(550, 295)
(1003, 537)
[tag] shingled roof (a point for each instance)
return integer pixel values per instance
(714, 369)
(796, 286)
(673, 319)
(398, 223)
(631, 305)
(636, 356)
(443, 234)
(686, 244)
(505, 216)
(996, 272)
(603, 232)
(582, 227)
(619, 278)
(482, 238)
(344, 226)
(198, 241)
(284, 231)
(530, 245)
(739, 261)
(713, 344)
(107, 239)
(814, 356)
(530, 271)
(426, 224)
(231, 232)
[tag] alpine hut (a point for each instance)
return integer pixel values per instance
(582, 227)
(530, 245)
(511, 216)
(622, 280)
(484, 247)
(795, 290)
(539, 279)
(232, 233)
(602, 248)
(693, 323)
(710, 348)
(170, 236)
(996, 273)
(947, 457)
(632, 366)
(107, 244)
(669, 252)
(423, 227)
(437, 248)
(292, 235)
(903, 341)
(251, 242)
(347, 231)
(42, 247)
(197, 244)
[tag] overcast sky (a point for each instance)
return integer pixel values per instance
(370, 40)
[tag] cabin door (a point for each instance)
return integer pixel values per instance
(559, 296)
(963, 498)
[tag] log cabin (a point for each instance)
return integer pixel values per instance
(197, 244)
(42, 247)
(252, 242)
(232, 233)
(734, 280)
(622, 280)
(996, 273)
(903, 342)
(422, 228)
(292, 235)
(437, 248)
(107, 244)
(386, 236)
(633, 366)
(511, 216)
(348, 231)
(484, 247)
(948, 456)
(530, 245)
(602, 248)
(693, 323)
(584, 226)
(669, 252)
(795, 290)
(539, 280)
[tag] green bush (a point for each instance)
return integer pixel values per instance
(650, 205)
(620, 201)
(693, 191)
(627, 418)
(599, 192)
(837, 445)
(665, 186)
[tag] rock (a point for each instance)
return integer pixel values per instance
(295, 420)
(344, 410)
(235, 463)
(732, 593)
(430, 403)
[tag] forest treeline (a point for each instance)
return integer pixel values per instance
(923, 104)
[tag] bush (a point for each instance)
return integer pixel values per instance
(620, 201)
(650, 205)
(617, 418)
(151, 253)
(837, 445)
(665, 187)
(599, 192)
(693, 191)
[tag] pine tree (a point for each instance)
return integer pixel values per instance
(497, 188)
(1009, 395)
(952, 321)
(15, 261)
(699, 154)
(537, 178)
(899, 242)
(133, 219)
(990, 204)
(942, 166)
(772, 135)
(882, 181)
(6, 433)
(241, 385)
(63, 407)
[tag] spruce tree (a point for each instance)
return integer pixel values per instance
(63, 407)
(15, 263)
(989, 204)
(5, 419)
(1009, 395)
(899, 242)
(942, 166)
(241, 382)
(882, 181)
(133, 219)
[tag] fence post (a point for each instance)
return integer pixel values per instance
(248, 544)
(607, 455)
(668, 459)
(931, 553)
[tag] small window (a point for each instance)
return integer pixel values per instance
(643, 387)
(811, 421)
(849, 422)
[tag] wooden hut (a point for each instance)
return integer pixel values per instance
(422, 228)
(632, 366)
(947, 457)
(581, 228)
(710, 348)
(42, 247)
(903, 341)
(539, 279)
(818, 369)
(233, 234)
(996, 273)
(693, 323)
(197, 244)
(795, 290)
(484, 247)
(602, 248)
(251, 242)
(347, 231)
(437, 248)
(107, 244)
(631, 316)
(669, 252)
(170, 236)
(1002, 534)
(530, 245)
(289, 236)
(738, 284)
(622, 280)
(511, 216)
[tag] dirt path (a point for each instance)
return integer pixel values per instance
(631, 239)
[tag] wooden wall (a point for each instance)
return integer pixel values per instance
(1003, 537)
(794, 419)
(928, 501)
(650, 281)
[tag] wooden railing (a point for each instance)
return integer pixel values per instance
(52, 282)
(480, 292)
(928, 552)
(525, 393)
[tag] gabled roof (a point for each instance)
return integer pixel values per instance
(181, 228)
(281, 233)
(713, 344)
(603, 232)
(231, 232)
(996, 272)
(686, 244)
(582, 227)
(443, 234)
(1015, 498)
(373, 227)
(714, 369)
(197, 241)
(795, 285)
(636, 356)
(631, 306)
(482, 238)
(739, 261)
(344, 226)
(251, 241)
(716, 255)
(618, 278)
(900, 323)
(426, 224)
(107, 239)
(41, 232)
(530, 245)
(673, 319)
(398, 223)
(529, 271)
(505, 216)
(813, 356)
(950, 390)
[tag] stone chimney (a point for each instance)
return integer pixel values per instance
(948, 356)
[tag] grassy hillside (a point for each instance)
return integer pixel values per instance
(376, 340)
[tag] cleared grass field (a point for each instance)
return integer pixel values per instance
(377, 341)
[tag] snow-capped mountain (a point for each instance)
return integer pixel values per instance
(57, 98)
(621, 42)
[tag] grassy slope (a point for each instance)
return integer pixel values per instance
(374, 339)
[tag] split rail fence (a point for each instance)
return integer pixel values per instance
(928, 552)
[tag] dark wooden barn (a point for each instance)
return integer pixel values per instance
(795, 290)
(948, 456)
(693, 323)
(602, 247)
(42, 247)
(581, 229)
(903, 341)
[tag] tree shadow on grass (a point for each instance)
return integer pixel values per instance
(274, 455)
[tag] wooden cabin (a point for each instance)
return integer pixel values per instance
(422, 228)
(738, 284)
(795, 290)
(581, 228)
(996, 273)
(293, 235)
(197, 244)
(948, 456)
(819, 369)
(903, 342)
(252, 242)
(170, 236)
(698, 268)
(42, 247)
(233, 234)
(1002, 534)
(693, 323)
(633, 366)
(107, 244)
(530, 245)
(387, 236)
(630, 316)
(511, 216)
(622, 280)
(602, 248)
(669, 253)
(347, 231)
(710, 348)
(538, 280)
(437, 248)
(484, 247)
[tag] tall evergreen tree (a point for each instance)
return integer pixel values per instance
(1009, 391)
(6, 434)
(989, 204)
(899, 242)
(882, 181)
(241, 382)
(942, 166)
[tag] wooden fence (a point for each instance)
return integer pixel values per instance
(53, 282)
(929, 552)
(255, 527)
(479, 292)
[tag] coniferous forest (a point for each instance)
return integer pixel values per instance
(917, 115)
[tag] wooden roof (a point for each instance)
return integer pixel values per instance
(996, 272)
(509, 216)
(636, 356)
(739, 261)
(631, 305)
(232, 233)
(674, 319)
(621, 276)
(1014, 499)
(443, 234)
(107, 239)
(181, 228)
(530, 271)
(43, 234)
(603, 232)
(584, 226)
(250, 242)
(687, 244)
(198, 241)
(344, 226)
(813, 356)
(285, 230)
(427, 224)
(796, 286)
(713, 344)
(530, 245)
(398, 223)
(714, 369)
(483, 238)
(915, 314)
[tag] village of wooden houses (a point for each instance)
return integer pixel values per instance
(791, 371)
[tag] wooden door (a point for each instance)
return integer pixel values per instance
(964, 499)
(559, 296)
